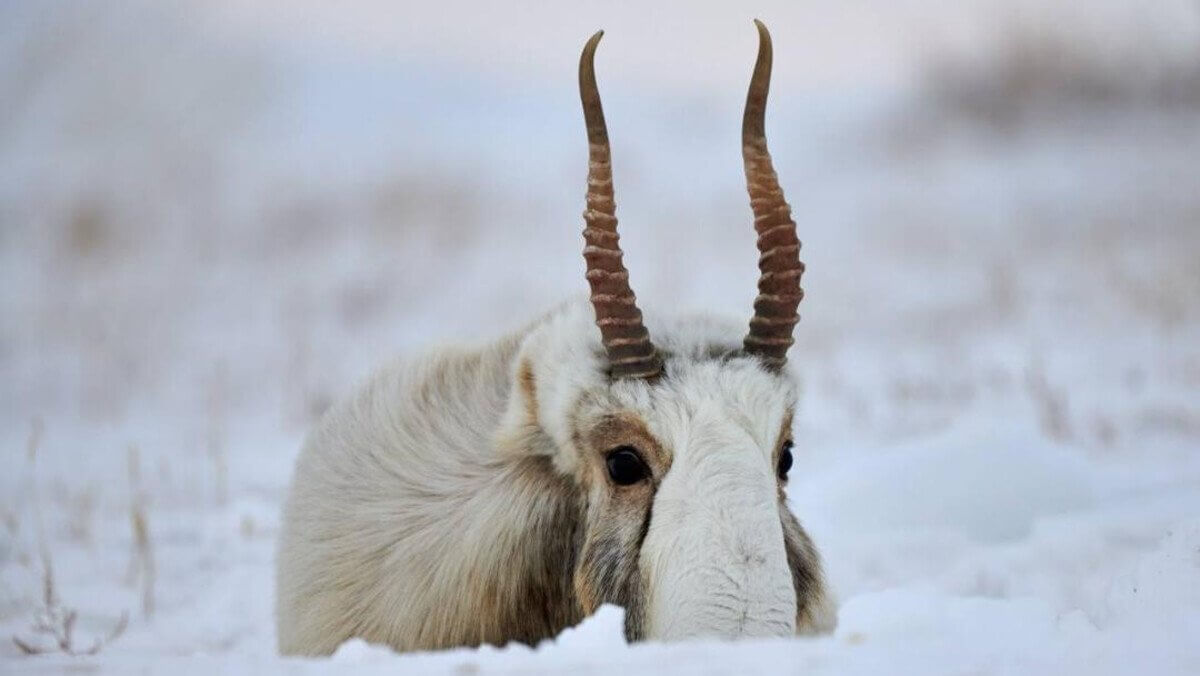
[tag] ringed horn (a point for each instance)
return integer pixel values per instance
(624, 335)
(779, 265)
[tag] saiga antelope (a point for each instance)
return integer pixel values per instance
(503, 493)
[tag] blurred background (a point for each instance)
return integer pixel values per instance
(216, 217)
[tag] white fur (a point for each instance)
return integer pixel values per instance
(397, 500)
(714, 554)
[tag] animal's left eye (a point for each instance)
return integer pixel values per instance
(785, 459)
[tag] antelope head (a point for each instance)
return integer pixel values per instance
(680, 446)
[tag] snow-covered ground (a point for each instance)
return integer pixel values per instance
(215, 219)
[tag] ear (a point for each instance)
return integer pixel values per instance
(556, 365)
(521, 432)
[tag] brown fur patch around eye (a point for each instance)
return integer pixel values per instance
(608, 572)
(627, 429)
(785, 433)
(608, 568)
(805, 565)
(802, 557)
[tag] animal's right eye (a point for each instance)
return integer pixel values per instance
(625, 466)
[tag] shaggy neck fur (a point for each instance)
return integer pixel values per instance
(434, 541)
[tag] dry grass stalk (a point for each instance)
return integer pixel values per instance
(1051, 403)
(59, 624)
(53, 619)
(218, 396)
(141, 563)
(37, 428)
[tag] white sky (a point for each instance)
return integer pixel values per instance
(675, 43)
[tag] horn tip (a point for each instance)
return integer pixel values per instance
(589, 48)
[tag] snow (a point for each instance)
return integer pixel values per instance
(218, 218)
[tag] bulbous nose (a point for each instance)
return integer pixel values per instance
(714, 557)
